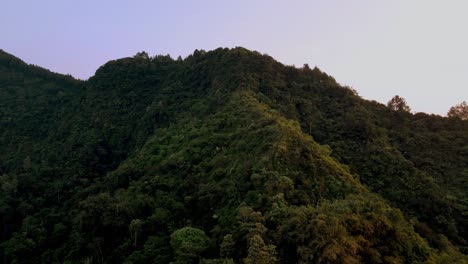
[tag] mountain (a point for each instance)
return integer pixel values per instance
(225, 156)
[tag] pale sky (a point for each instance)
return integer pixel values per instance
(417, 49)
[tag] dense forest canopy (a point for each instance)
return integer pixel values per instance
(225, 156)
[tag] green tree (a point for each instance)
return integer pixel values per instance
(17, 248)
(188, 243)
(259, 252)
(227, 246)
(398, 103)
(9, 184)
(142, 55)
(459, 111)
(135, 229)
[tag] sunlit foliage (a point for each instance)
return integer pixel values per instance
(225, 156)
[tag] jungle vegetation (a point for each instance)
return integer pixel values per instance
(226, 156)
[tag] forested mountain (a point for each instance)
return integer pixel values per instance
(225, 156)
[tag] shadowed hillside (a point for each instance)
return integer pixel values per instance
(225, 156)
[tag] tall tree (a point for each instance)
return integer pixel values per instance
(188, 243)
(398, 103)
(459, 111)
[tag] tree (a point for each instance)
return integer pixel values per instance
(398, 103)
(142, 55)
(259, 252)
(188, 243)
(459, 111)
(227, 247)
(135, 228)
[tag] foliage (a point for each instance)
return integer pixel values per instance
(398, 103)
(188, 243)
(225, 156)
(459, 111)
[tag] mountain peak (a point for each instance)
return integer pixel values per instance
(226, 156)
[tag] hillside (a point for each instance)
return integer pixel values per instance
(225, 156)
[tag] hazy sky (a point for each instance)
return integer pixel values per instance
(417, 49)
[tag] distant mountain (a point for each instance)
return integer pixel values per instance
(225, 156)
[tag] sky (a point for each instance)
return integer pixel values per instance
(417, 49)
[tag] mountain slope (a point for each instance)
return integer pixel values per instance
(218, 156)
(412, 160)
(32, 100)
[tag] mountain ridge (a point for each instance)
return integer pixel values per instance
(148, 136)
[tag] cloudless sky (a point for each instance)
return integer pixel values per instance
(417, 49)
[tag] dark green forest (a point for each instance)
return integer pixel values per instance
(226, 156)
